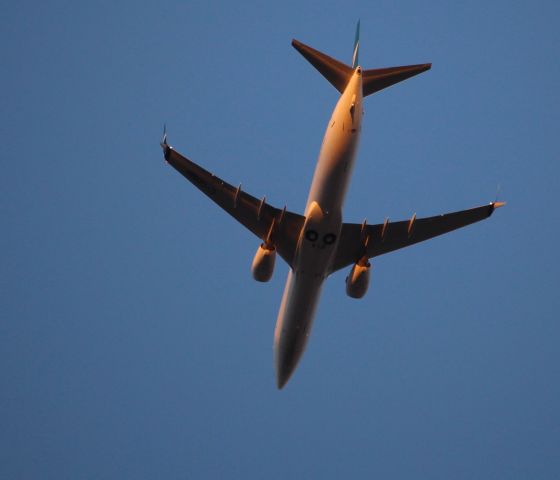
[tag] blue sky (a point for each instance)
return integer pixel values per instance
(133, 341)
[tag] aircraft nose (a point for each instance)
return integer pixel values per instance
(283, 374)
(286, 360)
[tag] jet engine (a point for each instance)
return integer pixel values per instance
(358, 281)
(263, 263)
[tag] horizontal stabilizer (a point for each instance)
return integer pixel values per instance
(334, 71)
(339, 73)
(380, 78)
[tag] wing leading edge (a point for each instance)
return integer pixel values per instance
(281, 227)
(357, 240)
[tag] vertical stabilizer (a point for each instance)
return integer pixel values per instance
(356, 47)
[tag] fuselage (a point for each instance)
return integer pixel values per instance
(319, 237)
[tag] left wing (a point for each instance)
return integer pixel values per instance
(280, 227)
(372, 240)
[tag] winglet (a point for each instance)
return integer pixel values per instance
(494, 205)
(163, 142)
(164, 145)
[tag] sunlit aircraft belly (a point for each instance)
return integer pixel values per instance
(319, 236)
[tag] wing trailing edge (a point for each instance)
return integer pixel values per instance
(386, 237)
(270, 224)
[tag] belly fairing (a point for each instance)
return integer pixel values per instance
(303, 288)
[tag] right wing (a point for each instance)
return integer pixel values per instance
(372, 240)
(266, 222)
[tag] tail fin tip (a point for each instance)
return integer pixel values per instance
(355, 52)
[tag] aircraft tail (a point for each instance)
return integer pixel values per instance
(356, 49)
(338, 73)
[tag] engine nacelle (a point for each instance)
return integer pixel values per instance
(263, 263)
(357, 282)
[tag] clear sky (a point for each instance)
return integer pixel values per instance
(133, 341)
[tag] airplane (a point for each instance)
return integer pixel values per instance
(319, 242)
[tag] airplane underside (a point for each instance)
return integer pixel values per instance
(295, 320)
(319, 243)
